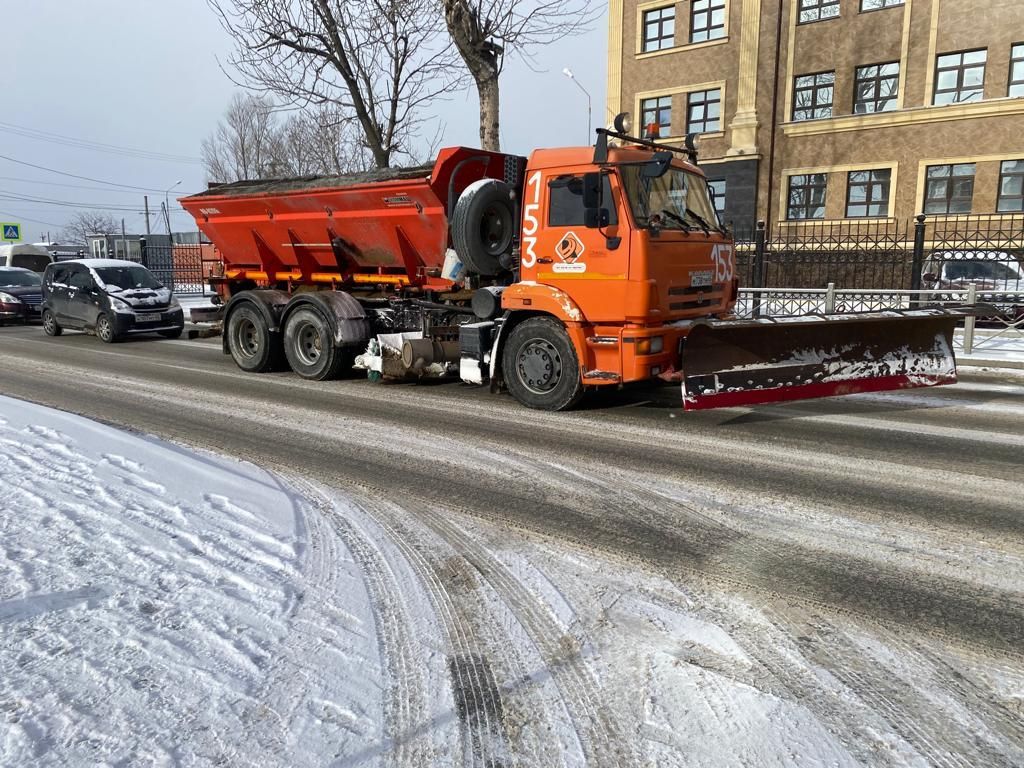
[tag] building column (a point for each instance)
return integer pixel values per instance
(744, 124)
(615, 46)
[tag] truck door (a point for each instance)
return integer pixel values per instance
(561, 251)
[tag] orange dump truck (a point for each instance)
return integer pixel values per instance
(572, 269)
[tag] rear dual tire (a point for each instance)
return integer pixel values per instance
(254, 348)
(309, 346)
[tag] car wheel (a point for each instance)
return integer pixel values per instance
(254, 348)
(105, 330)
(540, 367)
(50, 325)
(172, 334)
(309, 346)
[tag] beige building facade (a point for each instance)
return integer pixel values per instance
(825, 110)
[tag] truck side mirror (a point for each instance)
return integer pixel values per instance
(596, 218)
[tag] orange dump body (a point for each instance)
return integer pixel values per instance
(387, 226)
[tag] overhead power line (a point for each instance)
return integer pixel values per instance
(96, 146)
(8, 214)
(83, 178)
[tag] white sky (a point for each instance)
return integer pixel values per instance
(144, 75)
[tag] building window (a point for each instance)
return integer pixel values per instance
(949, 188)
(818, 10)
(707, 20)
(812, 96)
(876, 88)
(1011, 187)
(658, 111)
(874, 5)
(659, 29)
(1017, 70)
(703, 109)
(807, 196)
(960, 77)
(717, 188)
(867, 193)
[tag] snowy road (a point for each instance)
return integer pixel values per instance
(825, 583)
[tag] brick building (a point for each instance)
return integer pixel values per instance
(828, 110)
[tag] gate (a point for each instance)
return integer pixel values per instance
(179, 266)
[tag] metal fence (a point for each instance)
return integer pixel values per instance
(940, 253)
(182, 267)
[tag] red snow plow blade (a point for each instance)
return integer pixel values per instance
(744, 362)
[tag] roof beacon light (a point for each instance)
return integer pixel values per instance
(652, 131)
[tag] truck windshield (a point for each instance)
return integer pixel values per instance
(677, 200)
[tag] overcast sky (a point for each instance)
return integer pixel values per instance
(144, 75)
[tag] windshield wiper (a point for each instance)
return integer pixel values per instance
(677, 217)
(700, 220)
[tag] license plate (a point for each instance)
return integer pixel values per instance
(700, 279)
(148, 318)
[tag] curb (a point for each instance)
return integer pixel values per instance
(979, 362)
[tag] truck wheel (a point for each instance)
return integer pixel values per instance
(252, 346)
(50, 325)
(540, 367)
(483, 226)
(309, 346)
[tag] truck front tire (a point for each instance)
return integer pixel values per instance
(254, 348)
(540, 366)
(309, 346)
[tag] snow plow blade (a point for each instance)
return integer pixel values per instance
(744, 362)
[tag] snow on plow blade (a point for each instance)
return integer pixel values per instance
(744, 362)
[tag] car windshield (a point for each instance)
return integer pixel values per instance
(979, 270)
(676, 200)
(127, 277)
(12, 279)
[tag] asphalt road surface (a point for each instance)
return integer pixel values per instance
(879, 539)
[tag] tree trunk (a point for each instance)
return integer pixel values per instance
(490, 139)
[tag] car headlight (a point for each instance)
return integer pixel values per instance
(174, 301)
(6, 298)
(120, 305)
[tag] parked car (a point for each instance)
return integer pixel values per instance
(111, 298)
(25, 255)
(21, 295)
(998, 277)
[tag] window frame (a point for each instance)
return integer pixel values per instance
(877, 79)
(949, 197)
(806, 203)
(813, 89)
(707, 9)
(563, 181)
(811, 6)
(657, 109)
(869, 200)
(705, 103)
(960, 69)
(1016, 60)
(886, 4)
(661, 21)
(1003, 174)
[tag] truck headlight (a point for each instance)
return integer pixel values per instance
(652, 345)
(6, 298)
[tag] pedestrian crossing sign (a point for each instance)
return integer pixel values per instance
(11, 231)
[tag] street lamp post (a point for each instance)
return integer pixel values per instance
(167, 208)
(568, 73)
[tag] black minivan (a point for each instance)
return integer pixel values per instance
(109, 297)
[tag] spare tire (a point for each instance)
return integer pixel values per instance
(483, 226)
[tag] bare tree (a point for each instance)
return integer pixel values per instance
(242, 146)
(486, 32)
(85, 223)
(320, 141)
(379, 61)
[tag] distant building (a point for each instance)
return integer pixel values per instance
(833, 109)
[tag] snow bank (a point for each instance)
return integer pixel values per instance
(161, 607)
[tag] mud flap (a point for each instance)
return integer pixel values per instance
(745, 362)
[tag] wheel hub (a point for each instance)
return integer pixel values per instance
(247, 338)
(308, 344)
(539, 366)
